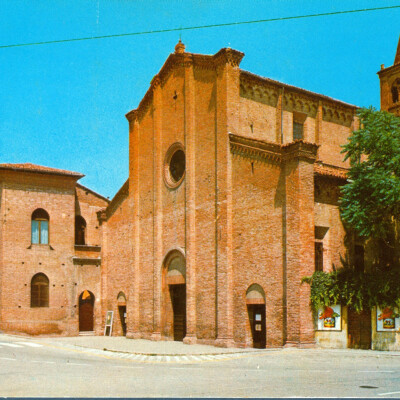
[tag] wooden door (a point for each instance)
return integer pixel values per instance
(122, 314)
(86, 317)
(359, 329)
(258, 325)
(178, 298)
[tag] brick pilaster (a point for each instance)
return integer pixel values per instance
(190, 202)
(299, 172)
(133, 305)
(227, 120)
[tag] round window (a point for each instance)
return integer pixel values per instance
(174, 166)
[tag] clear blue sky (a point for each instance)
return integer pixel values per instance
(63, 105)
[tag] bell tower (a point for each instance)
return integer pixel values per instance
(390, 85)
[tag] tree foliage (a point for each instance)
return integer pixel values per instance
(360, 290)
(370, 201)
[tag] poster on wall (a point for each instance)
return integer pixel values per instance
(387, 319)
(330, 318)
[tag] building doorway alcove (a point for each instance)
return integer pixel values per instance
(255, 300)
(359, 329)
(86, 311)
(174, 284)
(121, 302)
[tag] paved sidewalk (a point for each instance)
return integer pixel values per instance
(139, 346)
(121, 345)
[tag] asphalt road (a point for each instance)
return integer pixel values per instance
(29, 368)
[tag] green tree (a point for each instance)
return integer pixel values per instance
(370, 201)
(369, 205)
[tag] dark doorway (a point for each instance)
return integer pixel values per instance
(86, 311)
(359, 329)
(178, 300)
(122, 317)
(257, 323)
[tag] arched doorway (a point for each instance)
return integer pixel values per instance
(86, 311)
(121, 302)
(175, 272)
(255, 300)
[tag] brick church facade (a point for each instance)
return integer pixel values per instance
(232, 198)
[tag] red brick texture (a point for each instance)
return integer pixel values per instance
(23, 192)
(244, 213)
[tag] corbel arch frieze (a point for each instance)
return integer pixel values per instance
(266, 94)
(300, 103)
(338, 114)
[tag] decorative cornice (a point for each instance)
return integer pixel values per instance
(263, 93)
(185, 60)
(297, 93)
(255, 149)
(132, 115)
(333, 112)
(228, 56)
(330, 171)
(390, 70)
(266, 151)
(300, 102)
(299, 149)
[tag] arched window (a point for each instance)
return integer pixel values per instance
(40, 291)
(40, 227)
(80, 230)
(396, 91)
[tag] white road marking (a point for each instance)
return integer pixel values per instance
(384, 394)
(30, 344)
(44, 362)
(10, 344)
(382, 372)
(115, 366)
(5, 358)
(77, 364)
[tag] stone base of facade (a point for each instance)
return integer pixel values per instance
(156, 336)
(224, 342)
(190, 339)
(133, 335)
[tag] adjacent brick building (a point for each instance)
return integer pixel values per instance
(49, 252)
(232, 197)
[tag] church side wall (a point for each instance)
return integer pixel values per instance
(205, 169)
(117, 262)
(258, 196)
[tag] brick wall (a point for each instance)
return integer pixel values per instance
(23, 193)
